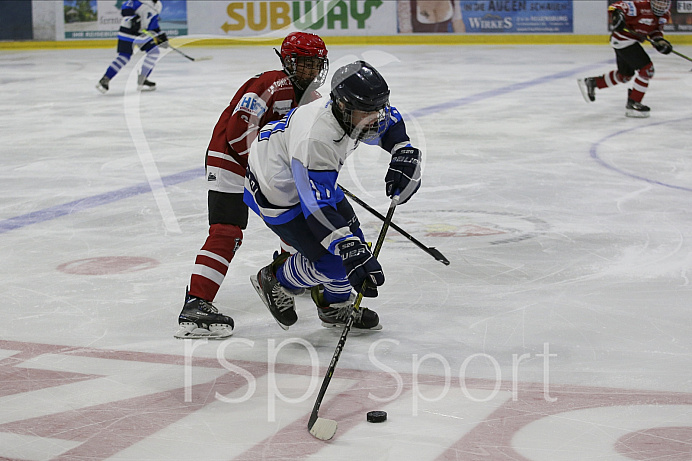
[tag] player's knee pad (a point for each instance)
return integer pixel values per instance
(226, 231)
(647, 72)
(331, 267)
(624, 78)
(225, 235)
(153, 52)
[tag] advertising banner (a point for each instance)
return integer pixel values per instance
(681, 12)
(486, 16)
(90, 19)
(270, 18)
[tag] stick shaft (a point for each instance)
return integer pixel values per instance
(432, 251)
(177, 50)
(349, 322)
(643, 37)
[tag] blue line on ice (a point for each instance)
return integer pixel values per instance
(76, 206)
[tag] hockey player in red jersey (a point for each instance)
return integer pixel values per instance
(633, 22)
(264, 98)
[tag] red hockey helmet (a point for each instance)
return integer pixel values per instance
(303, 44)
(660, 7)
(304, 58)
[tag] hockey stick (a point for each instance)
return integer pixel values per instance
(322, 428)
(203, 58)
(643, 37)
(432, 251)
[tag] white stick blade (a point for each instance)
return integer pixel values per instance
(204, 58)
(323, 429)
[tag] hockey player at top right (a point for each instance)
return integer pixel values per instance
(633, 22)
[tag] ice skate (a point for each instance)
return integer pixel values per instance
(636, 109)
(336, 314)
(102, 85)
(201, 319)
(143, 84)
(587, 86)
(279, 300)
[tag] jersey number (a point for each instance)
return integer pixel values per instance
(272, 127)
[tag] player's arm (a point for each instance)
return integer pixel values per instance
(249, 114)
(319, 199)
(149, 20)
(404, 172)
(319, 196)
(617, 16)
(661, 44)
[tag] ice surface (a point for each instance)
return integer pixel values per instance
(565, 308)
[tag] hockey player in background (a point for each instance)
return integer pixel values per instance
(633, 21)
(140, 27)
(264, 98)
(291, 183)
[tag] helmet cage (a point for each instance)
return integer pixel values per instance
(304, 59)
(360, 98)
(300, 68)
(371, 124)
(660, 7)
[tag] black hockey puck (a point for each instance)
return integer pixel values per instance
(377, 416)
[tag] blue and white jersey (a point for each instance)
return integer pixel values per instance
(294, 165)
(139, 15)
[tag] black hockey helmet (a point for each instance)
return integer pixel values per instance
(359, 87)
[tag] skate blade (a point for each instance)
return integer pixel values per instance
(636, 114)
(353, 329)
(258, 289)
(101, 89)
(192, 331)
(584, 91)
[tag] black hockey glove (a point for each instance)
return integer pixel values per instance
(403, 176)
(617, 19)
(662, 45)
(361, 266)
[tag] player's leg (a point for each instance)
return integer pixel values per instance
(152, 56)
(311, 266)
(228, 217)
(631, 58)
(622, 74)
(120, 61)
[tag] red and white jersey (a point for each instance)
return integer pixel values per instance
(640, 19)
(264, 98)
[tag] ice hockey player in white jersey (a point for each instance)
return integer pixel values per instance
(140, 27)
(291, 182)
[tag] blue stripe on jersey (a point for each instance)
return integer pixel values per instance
(125, 37)
(318, 198)
(315, 188)
(283, 218)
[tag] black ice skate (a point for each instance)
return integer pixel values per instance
(636, 109)
(279, 300)
(587, 86)
(336, 314)
(201, 319)
(145, 85)
(102, 85)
